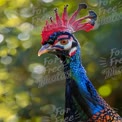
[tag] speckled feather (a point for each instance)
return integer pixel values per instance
(106, 115)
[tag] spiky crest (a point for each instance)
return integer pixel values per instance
(68, 25)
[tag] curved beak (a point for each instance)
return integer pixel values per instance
(44, 49)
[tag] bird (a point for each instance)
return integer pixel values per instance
(82, 101)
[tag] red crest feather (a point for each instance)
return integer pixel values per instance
(68, 25)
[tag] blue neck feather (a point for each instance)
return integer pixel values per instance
(82, 88)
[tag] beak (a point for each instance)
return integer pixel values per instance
(44, 49)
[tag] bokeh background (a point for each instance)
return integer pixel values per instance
(32, 88)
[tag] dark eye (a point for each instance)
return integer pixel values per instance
(64, 42)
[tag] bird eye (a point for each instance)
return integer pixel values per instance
(64, 42)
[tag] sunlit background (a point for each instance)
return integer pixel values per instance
(29, 88)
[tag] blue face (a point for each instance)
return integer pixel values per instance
(60, 43)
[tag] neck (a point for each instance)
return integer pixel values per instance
(82, 89)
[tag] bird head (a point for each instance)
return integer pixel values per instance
(58, 38)
(60, 43)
